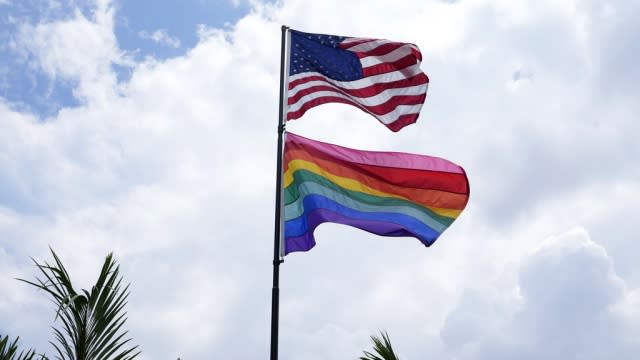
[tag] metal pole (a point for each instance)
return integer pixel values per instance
(275, 291)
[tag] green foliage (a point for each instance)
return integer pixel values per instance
(9, 350)
(382, 347)
(90, 326)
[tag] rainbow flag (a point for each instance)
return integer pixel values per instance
(385, 193)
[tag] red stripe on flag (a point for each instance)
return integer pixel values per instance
(380, 50)
(381, 109)
(408, 178)
(402, 121)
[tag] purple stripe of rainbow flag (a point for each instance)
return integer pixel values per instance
(385, 193)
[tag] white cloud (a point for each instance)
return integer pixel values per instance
(567, 292)
(78, 49)
(162, 37)
(173, 170)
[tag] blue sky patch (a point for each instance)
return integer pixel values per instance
(143, 29)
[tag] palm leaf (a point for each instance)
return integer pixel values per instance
(382, 347)
(89, 323)
(9, 350)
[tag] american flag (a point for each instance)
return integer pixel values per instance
(381, 77)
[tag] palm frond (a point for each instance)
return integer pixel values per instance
(89, 323)
(382, 347)
(9, 350)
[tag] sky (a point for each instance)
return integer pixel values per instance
(149, 129)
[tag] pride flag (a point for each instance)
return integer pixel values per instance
(385, 193)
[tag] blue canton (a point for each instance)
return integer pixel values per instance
(321, 53)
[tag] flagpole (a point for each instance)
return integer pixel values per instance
(277, 260)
